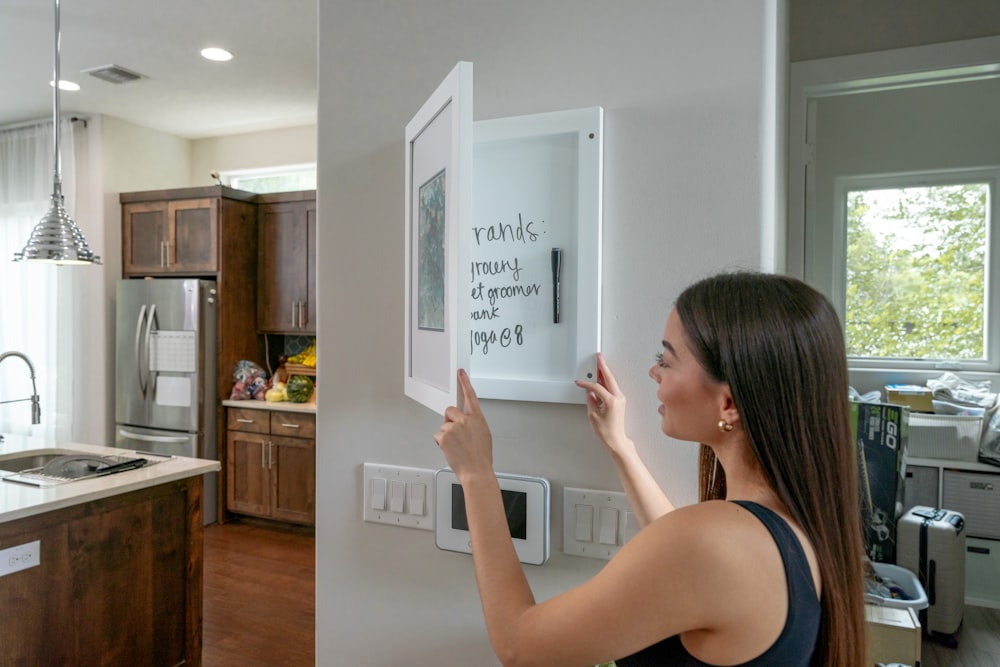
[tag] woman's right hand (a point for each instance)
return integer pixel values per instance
(606, 408)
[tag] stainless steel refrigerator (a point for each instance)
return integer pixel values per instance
(165, 353)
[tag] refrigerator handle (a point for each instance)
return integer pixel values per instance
(152, 438)
(138, 361)
(150, 323)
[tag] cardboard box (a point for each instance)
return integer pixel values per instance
(917, 397)
(893, 635)
(881, 431)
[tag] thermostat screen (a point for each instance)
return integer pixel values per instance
(515, 503)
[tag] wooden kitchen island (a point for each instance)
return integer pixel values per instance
(119, 577)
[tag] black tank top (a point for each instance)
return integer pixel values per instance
(794, 646)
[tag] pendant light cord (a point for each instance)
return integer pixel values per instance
(57, 171)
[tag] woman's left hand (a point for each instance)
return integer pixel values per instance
(465, 437)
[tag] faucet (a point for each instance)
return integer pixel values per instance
(36, 408)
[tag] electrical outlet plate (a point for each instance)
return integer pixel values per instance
(20, 557)
(596, 523)
(398, 496)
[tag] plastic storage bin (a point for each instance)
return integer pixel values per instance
(904, 579)
(944, 436)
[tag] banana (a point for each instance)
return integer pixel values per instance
(307, 357)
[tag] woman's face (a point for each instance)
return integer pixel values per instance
(691, 402)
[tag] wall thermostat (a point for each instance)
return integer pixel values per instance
(525, 499)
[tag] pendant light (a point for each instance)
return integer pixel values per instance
(56, 239)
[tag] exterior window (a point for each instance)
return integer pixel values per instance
(917, 269)
(275, 179)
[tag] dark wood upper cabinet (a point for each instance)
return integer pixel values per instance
(171, 237)
(286, 279)
(184, 232)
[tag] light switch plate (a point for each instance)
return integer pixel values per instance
(413, 500)
(612, 522)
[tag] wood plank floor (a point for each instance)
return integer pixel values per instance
(978, 642)
(259, 595)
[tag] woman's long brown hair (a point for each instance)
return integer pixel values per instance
(779, 346)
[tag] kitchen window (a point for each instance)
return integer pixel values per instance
(914, 263)
(272, 179)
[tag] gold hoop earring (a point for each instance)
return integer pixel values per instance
(725, 426)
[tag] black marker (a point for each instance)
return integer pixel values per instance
(556, 283)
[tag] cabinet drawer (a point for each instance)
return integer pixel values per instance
(977, 496)
(982, 572)
(295, 424)
(243, 419)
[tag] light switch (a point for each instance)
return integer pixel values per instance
(397, 494)
(632, 526)
(607, 516)
(584, 523)
(415, 502)
(608, 532)
(378, 493)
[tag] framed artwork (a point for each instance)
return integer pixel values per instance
(430, 253)
(438, 169)
(533, 277)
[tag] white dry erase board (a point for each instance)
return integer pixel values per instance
(526, 504)
(438, 168)
(533, 274)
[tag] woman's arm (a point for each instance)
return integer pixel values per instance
(606, 411)
(679, 575)
(467, 444)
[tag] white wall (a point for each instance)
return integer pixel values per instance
(823, 29)
(688, 99)
(272, 148)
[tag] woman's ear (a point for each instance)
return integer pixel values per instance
(728, 411)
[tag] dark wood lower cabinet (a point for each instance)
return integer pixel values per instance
(119, 582)
(271, 464)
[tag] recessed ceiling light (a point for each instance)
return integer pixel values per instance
(67, 85)
(215, 53)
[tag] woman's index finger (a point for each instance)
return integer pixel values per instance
(468, 393)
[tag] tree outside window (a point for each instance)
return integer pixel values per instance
(917, 272)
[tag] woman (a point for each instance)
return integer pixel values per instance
(766, 570)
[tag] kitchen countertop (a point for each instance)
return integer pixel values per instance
(18, 500)
(281, 406)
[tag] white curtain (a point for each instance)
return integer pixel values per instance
(36, 301)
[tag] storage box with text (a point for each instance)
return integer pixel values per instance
(881, 431)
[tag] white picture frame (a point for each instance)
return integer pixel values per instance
(438, 170)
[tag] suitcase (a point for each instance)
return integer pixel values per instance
(931, 543)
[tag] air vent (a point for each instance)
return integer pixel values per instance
(112, 73)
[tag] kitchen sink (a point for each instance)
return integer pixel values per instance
(47, 467)
(33, 458)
